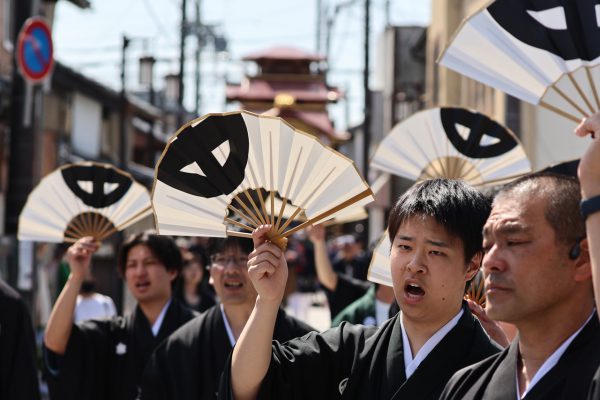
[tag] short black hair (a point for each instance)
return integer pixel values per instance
(163, 248)
(196, 254)
(218, 245)
(461, 209)
(562, 194)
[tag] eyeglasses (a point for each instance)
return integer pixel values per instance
(222, 260)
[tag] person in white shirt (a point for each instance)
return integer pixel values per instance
(93, 305)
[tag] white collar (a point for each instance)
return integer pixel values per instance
(227, 327)
(410, 363)
(159, 320)
(550, 361)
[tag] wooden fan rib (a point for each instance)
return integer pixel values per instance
(289, 221)
(262, 220)
(241, 214)
(580, 91)
(272, 216)
(560, 112)
(239, 224)
(239, 234)
(262, 204)
(570, 101)
(593, 86)
(280, 216)
(245, 207)
(364, 194)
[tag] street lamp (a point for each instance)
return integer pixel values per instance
(146, 72)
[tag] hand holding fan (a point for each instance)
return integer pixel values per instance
(223, 172)
(83, 199)
(543, 52)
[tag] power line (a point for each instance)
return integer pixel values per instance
(156, 19)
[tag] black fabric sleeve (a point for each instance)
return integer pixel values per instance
(81, 371)
(310, 367)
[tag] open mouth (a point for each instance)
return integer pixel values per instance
(142, 285)
(233, 285)
(413, 290)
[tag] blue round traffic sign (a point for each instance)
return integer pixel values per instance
(35, 53)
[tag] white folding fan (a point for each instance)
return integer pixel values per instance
(83, 199)
(451, 143)
(543, 52)
(222, 172)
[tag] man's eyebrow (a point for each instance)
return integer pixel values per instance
(438, 243)
(507, 229)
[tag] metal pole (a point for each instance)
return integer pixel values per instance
(367, 111)
(319, 23)
(199, 44)
(123, 119)
(182, 61)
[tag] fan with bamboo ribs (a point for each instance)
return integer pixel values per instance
(543, 52)
(446, 142)
(223, 174)
(83, 199)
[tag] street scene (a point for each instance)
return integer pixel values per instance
(337, 199)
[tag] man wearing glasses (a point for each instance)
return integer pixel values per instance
(189, 364)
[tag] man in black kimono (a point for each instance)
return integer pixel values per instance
(435, 229)
(18, 370)
(589, 176)
(538, 277)
(104, 359)
(189, 364)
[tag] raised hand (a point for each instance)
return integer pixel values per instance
(316, 233)
(589, 166)
(79, 256)
(267, 267)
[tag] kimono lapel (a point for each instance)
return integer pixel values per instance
(503, 380)
(440, 364)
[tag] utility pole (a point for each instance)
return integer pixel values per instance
(182, 61)
(199, 43)
(319, 24)
(123, 143)
(367, 111)
(22, 137)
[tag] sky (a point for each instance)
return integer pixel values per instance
(90, 41)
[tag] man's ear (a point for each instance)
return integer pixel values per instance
(473, 266)
(583, 267)
(173, 274)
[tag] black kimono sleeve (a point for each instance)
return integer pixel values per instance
(315, 366)
(81, 373)
(18, 372)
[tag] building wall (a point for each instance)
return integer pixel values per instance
(448, 88)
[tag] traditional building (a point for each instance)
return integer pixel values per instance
(290, 83)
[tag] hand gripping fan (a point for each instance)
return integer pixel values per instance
(453, 143)
(543, 52)
(82, 199)
(223, 172)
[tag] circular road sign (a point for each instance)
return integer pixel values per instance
(35, 53)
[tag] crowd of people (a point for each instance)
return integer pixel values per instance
(210, 323)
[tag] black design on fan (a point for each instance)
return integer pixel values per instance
(196, 145)
(479, 127)
(580, 39)
(97, 197)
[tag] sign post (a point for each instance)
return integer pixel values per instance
(35, 58)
